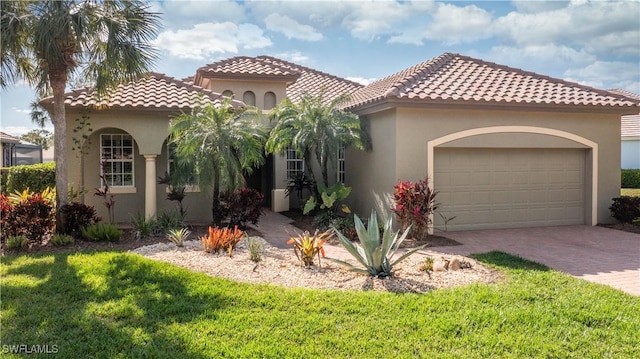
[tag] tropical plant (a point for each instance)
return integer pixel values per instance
(76, 216)
(255, 249)
(31, 216)
(168, 220)
(62, 240)
(625, 208)
(144, 227)
(415, 204)
(178, 236)
(315, 127)
(241, 206)
(47, 42)
(221, 238)
(17, 242)
(108, 199)
(18, 197)
(100, 232)
(375, 253)
(306, 246)
(216, 145)
(297, 183)
(175, 192)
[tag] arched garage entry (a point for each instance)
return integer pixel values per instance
(514, 176)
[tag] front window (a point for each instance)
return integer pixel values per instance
(117, 156)
(295, 164)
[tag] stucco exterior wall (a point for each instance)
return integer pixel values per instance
(259, 88)
(400, 145)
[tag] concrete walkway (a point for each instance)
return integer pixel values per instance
(596, 254)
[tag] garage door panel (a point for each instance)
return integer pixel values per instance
(506, 188)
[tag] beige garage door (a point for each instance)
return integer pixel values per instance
(509, 188)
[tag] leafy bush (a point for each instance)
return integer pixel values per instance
(32, 217)
(241, 206)
(414, 203)
(630, 178)
(178, 236)
(224, 238)
(255, 249)
(36, 177)
(143, 227)
(625, 208)
(17, 242)
(374, 252)
(76, 216)
(62, 240)
(102, 233)
(48, 193)
(168, 220)
(4, 176)
(347, 226)
(306, 247)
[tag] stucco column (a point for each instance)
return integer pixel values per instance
(150, 186)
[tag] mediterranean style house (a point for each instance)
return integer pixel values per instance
(504, 147)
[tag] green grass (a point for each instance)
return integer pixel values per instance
(634, 192)
(118, 305)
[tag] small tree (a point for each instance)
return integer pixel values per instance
(219, 143)
(39, 137)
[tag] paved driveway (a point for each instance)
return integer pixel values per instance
(597, 254)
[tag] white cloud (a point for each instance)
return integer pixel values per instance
(206, 39)
(21, 110)
(545, 59)
(580, 23)
(293, 56)
(362, 80)
(370, 20)
(607, 75)
(291, 28)
(454, 24)
(538, 6)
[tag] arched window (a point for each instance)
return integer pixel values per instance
(269, 100)
(227, 93)
(249, 98)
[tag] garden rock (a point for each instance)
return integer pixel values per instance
(440, 265)
(454, 264)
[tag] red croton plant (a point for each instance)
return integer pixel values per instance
(413, 204)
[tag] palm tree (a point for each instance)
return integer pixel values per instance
(216, 145)
(47, 42)
(315, 127)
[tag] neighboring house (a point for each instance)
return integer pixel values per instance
(16, 152)
(505, 148)
(630, 136)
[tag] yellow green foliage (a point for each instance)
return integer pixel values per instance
(306, 247)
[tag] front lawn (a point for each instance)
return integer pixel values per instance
(118, 305)
(633, 192)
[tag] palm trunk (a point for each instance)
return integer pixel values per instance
(58, 81)
(215, 205)
(309, 172)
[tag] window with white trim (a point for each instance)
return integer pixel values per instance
(341, 167)
(116, 152)
(295, 164)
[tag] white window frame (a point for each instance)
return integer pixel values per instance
(116, 155)
(295, 164)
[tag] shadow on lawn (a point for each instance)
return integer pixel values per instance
(89, 308)
(502, 259)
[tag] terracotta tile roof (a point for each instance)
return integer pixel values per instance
(313, 82)
(156, 91)
(245, 66)
(626, 93)
(6, 138)
(300, 79)
(455, 78)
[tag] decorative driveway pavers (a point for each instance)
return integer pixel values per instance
(596, 254)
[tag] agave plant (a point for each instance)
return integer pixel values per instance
(375, 253)
(307, 246)
(178, 236)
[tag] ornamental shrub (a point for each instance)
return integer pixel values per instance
(34, 177)
(625, 208)
(77, 216)
(241, 206)
(630, 178)
(33, 218)
(413, 204)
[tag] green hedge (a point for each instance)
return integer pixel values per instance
(630, 178)
(35, 177)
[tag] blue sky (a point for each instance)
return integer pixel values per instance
(595, 43)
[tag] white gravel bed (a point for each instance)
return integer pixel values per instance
(281, 267)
